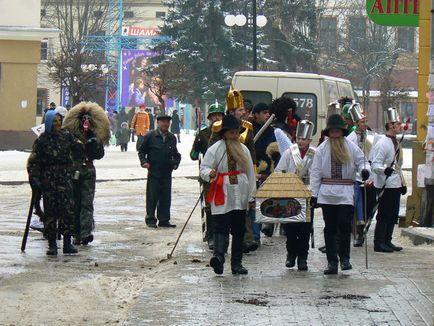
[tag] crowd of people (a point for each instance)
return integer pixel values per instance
(241, 147)
(341, 172)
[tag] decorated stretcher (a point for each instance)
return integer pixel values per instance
(283, 198)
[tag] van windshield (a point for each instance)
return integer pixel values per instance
(256, 97)
(306, 106)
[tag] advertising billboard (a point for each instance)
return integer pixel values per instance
(136, 83)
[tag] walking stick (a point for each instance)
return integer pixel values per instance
(202, 207)
(29, 217)
(183, 228)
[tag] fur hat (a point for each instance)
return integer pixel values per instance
(100, 124)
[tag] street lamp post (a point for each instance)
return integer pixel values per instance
(256, 21)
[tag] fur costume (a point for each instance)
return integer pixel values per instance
(100, 124)
(284, 108)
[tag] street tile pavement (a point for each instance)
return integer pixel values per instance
(396, 289)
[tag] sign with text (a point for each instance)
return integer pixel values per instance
(394, 12)
(140, 31)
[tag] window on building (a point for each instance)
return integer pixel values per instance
(406, 38)
(44, 50)
(128, 14)
(328, 34)
(43, 13)
(97, 14)
(356, 31)
(160, 14)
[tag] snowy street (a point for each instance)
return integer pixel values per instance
(125, 278)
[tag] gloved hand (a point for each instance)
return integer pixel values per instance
(91, 141)
(313, 202)
(388, 171)
(365, 174)
(403, 190)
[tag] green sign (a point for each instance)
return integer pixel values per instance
(393, 12)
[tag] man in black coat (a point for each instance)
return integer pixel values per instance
(158, 154)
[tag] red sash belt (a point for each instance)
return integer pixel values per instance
(216, 191)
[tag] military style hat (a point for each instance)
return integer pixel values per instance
(304, 129)
(234, 100)
(335, 121)
(215, 108)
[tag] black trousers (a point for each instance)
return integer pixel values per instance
(388, 214)
(337, 219)
(297, 239)
(158, 197)
(233, 222)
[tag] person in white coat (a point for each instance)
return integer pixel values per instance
(390, 176)
(332, 177)
(229, 167)
(298, 159)
(359, 136)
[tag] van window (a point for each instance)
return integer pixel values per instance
(332, 92)
(307, 106)
(345, 90)
(256, 97)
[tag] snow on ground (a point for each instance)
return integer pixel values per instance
(122, 165)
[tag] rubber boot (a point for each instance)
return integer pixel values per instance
(237, 256)
(388, 238)
(68, 248)
(218, 259)
(360, 237)
(52, 247)
(268, 229)
(380, 237)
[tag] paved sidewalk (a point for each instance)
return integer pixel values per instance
(397, 289)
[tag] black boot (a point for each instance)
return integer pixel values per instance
(52, 247)
(290, 260)
(360, 237)
(380, 238)
(302, 264)
(388, 238)
(237, 255)
(218, 260)
(332, 268)
(68, 248)
(346, 265)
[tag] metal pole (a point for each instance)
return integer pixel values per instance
(255, 64)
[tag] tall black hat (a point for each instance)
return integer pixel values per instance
(335, 121)
(229, 122)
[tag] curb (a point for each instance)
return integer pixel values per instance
(418, 237)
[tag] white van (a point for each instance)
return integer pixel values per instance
(311, 92)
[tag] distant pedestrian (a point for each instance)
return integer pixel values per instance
(123, 136)
(174, 127)
(151, 119)
(131, 114)
(140, 124)
(158, 154)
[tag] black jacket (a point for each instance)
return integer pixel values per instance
(162, 155)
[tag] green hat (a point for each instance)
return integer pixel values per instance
(335, 121)
(346, 111)
(216, 108)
